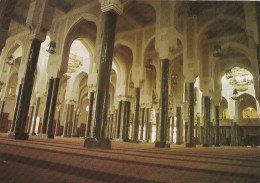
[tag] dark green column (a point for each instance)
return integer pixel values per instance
(142, 125)
(136, 115)
(127, 118)
(26, 91)
(179, 126)
(90, 111)
(206, 142)
(172, 130)
(35, 113)
(118, 122)
(111, 123)
(217, 138)
(104, 73)
(168, 129)
(47, 107)
(190, 139)
(30, 120)
(70, 120)
(114, 123)
(52, 110)
(74, 123)
(57, 131)
(15, 109)
(147, 122)
(157, 126)
(2, 110)
(66, 120)
(123, 120)
(163, 114)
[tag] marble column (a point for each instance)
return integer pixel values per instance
(35, 113)
(66, 120)
(15, 109)
(157, 126)
(190, 139)
(26, 91)
(113, 135)
(206, 142)
(90, 111)
(47, 107)
(168, 129)
(135, 131)
(142, 125)
(118, 122)
(179, 126)
(172, 130)
(111, 123)
(2, 110)
(30, 119)
(70, 120)
(104, 73)
(127, 118)
(122, 120)
(217, 138)
(52, 109)
(147, 122)
(163, 110)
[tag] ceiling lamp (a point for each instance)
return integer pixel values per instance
(131, 84)
(235, 95)
(52, 47)
(10, 60)
(149, 66)
(240, 78)
(217, 52)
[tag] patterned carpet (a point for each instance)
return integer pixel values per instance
(65, 160)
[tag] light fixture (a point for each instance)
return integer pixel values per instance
(235, 96)
(217, 52)
(240, 78)
(52, 47)
(148, 66)
(10, 60)
(131, 84)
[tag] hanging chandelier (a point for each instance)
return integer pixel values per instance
(240, 78)
(52, 47)
(10, 60)
(217, 51)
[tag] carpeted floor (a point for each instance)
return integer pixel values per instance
(65, 160)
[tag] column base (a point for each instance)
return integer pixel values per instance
(126, 140)
(94, 143)
(206, 145)
(50, 136)
(161, 144)
(33, 134)
(19, 135)
(134, 141)
(190, 145)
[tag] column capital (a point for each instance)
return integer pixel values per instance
(39, 19)
(92, 88)
(122, 98)
(115, 5)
